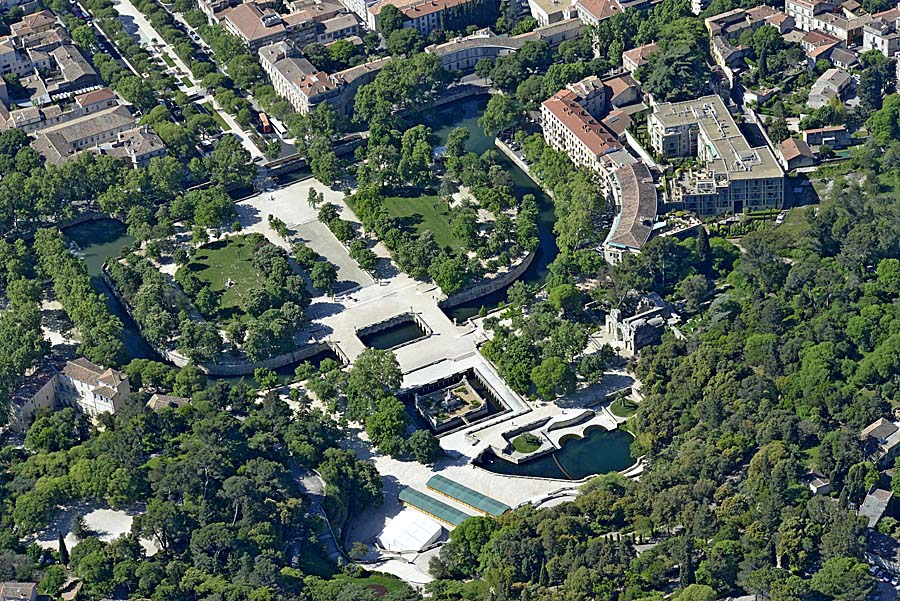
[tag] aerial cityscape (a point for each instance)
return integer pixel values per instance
(466, 300)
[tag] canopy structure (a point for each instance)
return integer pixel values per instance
(410, 530)
(468, 497)
(432, 507)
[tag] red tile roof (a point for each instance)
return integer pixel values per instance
(576, 119)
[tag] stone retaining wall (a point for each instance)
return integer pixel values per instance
(489, 286)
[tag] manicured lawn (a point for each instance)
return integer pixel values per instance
(526, 443)
(623, 407)
(187, 82)
(167, 59)
(218, 262)
(216, 116)
(423, 213)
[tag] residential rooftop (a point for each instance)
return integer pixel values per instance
(729, 149)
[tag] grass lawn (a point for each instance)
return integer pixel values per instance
(167, 59)
(423, 213)
(216, 116)
(526, 443)
(795, 222)
(623, 407)
(187, 82)
(377, 582)
(217, 262)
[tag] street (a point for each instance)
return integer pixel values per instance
(137, 25)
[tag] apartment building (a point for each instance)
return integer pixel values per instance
(804, 11)
(636, 199)
(258, 27)
(424, 16)
(59, 143)
(32, 118)
(881, 33)
(569, 127)
(463, 53)
(734, 177)
(547, 12)
(592, 12)
(296, 80)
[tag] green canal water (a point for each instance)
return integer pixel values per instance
(99, 241)
(600, 452)
(466, 114)
(393, 336)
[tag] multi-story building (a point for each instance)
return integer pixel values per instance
(634, 194)
(296, 80)
(424, 16)
(546, 12)
(592, 12)
(32, 118)
(881, 33)
(59, 143)
(91, 388)
(138, 146)
(18, 591)
(831, 84)
(337, 28)
(734, 176)
(463, 53)
(79, 383)
(803, 11)
(834, 136)
(570, 128)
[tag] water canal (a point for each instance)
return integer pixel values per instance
(103, 239)
(466, 114)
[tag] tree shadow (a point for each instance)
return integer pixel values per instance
(247, 214)
(386, 269)
(322, 309)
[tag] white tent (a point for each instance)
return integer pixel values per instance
(410, 530)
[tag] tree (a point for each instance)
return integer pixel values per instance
(843, 579)
(694, 289)
(405, 42)
(63, 550)
(676, 74)
(696, 592)
(374, 375)
(324, 276)
(553, 377)
(58, 431)
(189, 381)
(778, 130)
(137, 91)
(502, 112)
(424, 447)
(53, 579)
(390, 19)
(229, 163)
(387, 425)
(84, 37)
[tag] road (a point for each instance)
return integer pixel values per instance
(138, 26)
